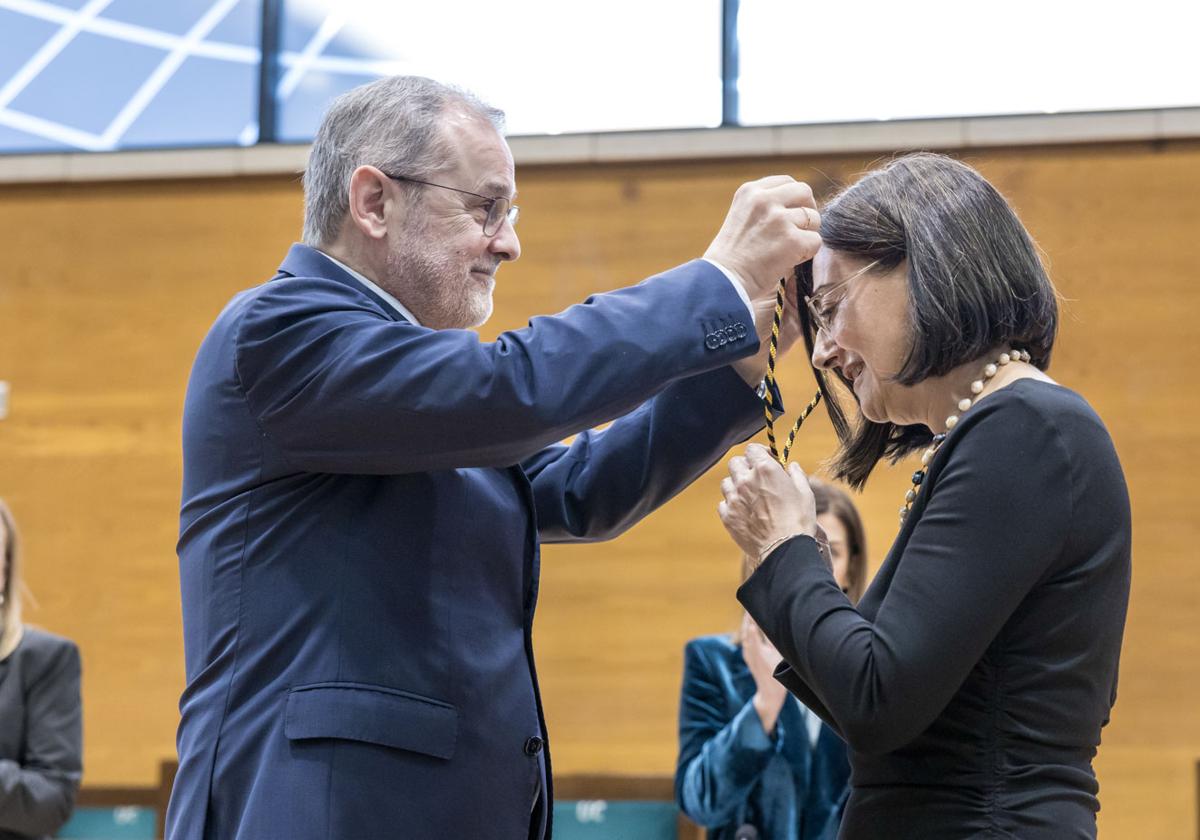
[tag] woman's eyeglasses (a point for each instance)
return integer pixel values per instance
(820, 313)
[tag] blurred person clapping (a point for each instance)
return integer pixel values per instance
(750, 754)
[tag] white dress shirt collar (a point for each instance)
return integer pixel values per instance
(399, 307)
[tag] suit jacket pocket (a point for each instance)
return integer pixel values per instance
(371, 713)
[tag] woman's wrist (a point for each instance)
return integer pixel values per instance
(768, 709)
(762, 555)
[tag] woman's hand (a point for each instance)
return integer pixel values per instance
(764, 504)
(762, 658)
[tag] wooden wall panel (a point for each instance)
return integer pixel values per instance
(106, 290)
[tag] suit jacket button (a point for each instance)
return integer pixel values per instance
(533, 745)
(711, 341)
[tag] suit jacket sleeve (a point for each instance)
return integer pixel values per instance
(340, 388)
(606, 481)
(37, 797)
(720, 758)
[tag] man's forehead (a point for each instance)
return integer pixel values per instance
(483, 154)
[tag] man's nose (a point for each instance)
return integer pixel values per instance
(505, 243)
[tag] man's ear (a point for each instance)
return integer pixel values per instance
(371, 201)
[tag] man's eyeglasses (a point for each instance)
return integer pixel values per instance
(821, 314)
(498, 208)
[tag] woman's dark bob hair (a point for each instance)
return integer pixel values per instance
(975, 284)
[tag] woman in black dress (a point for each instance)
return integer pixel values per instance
(973, 678)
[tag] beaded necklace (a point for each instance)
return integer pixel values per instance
(989, 370)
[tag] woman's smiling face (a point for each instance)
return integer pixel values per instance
(868, 334)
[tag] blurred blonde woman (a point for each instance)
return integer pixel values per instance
(751, 755)
(40, 715)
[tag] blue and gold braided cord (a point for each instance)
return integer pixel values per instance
(768, 399)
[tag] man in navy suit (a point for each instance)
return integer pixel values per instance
(366, 483)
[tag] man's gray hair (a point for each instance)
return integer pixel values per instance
(391, 123)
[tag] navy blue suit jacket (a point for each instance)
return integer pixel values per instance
(363, 501)
(730, 773)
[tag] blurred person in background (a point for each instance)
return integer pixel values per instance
(41, 732)
(750, 754)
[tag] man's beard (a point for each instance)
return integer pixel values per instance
(435, 286)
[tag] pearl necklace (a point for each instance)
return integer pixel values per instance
(965, 403)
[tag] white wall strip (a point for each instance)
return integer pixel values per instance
(766, 141)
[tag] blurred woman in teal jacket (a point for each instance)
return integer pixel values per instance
(753, 761)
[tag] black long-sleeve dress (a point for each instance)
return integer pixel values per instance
(973, 678)
(41, 739)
